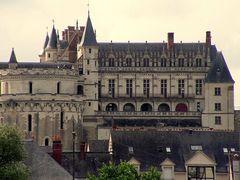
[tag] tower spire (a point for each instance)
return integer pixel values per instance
(13, 58)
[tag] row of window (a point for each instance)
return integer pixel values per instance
(146, 87)
(146, 62)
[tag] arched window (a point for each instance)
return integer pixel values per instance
(46, 142)
(128, 107)
(181, 107)
(111, 107)
(164, 107)
(30, 87)
(58, 87)
(80, 90)
(146, 107)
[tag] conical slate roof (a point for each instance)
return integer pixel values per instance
(53, 39)
(219, 72)
(89, 38)
(13, 58)
(46, 41)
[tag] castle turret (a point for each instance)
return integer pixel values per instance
(12, 63)
(51, 48)
(88, 53)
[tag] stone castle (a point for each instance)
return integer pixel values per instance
(90, 87)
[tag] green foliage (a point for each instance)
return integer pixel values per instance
(11, 154)
(124, 171)
(151, 174)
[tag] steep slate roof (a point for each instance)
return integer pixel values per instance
(53, 39)
(219, 71)
(150, 146)
(13, 58)
(41, 165)
(46, 41)
(89, 37)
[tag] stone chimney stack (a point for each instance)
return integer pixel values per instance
(57, 149)
(82, 151)
(170, 40)
(208, 38)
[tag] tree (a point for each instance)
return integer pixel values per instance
(11, 154)
(151, 174)
(124, 171)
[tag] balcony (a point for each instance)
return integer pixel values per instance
(151, 114)
(152, 69)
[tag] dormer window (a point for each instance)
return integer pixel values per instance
(130, 150)
(196, 148)
(225, 150)
(168, 149)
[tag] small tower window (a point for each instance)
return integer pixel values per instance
(58, 87)
(88, 61)
(29, 122)
(30, 87)
(90, 50)
(80, 90)
(49, 55)
(46, 142)
(61, 120)
(6, 88)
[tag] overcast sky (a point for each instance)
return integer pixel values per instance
(23, 24)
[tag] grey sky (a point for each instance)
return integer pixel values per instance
(23, 24)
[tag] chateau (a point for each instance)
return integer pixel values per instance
(92, 87)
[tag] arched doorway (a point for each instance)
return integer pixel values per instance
(146, 107)
(46, 142)
(164, 107)
(111, 107)
(128, 107)
(181, 107)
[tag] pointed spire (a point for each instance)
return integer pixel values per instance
(88, 38)
(13, 58)
(53, 39)
(46, 41)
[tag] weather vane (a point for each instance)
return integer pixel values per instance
(88, 5)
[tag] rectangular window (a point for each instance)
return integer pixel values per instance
(129, 87)
(61, 120)
(217, 91)
(199, 83)
(128, 62)
(198, 62)
(145, 62)
(58, 88)
(164, 87)
(90, 50)
(29, 122)
(181, 87)
(111, 87)
(163, 62)
(30, 87)
(217, 106)
(200, 172)
(181, 62)
(111, 62)
(218, 120)
(99, 89)
(88, 61)
(146, 87)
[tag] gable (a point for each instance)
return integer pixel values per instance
(167, 162)
(199, 158)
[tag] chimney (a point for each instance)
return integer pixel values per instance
(57, 149)
(82, 151)
(170, 40)
(208, 38)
